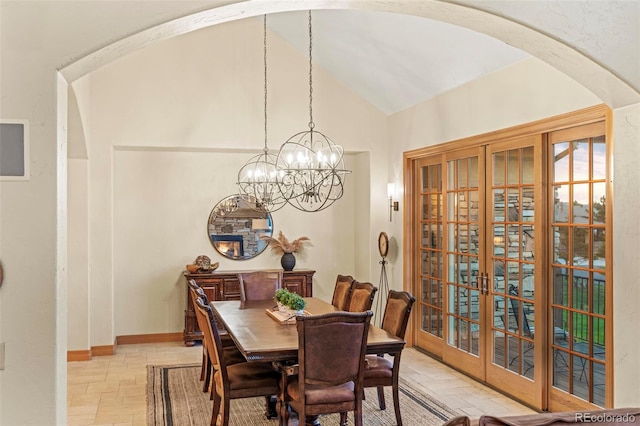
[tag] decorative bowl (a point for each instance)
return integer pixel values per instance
(212, 267)
(203, 262)
(193, 268)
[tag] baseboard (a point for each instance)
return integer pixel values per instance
(103, 350)
(84, 355)
(149, 338)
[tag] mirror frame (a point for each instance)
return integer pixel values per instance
(235, 230)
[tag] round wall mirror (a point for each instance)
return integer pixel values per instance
(236, 230)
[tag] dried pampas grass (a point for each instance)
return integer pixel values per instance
(282, 245)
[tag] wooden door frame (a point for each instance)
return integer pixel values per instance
(540, 127)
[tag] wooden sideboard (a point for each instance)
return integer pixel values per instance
(224, 285)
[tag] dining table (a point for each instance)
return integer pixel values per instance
(260, 336)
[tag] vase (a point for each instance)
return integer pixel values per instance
(288, 261)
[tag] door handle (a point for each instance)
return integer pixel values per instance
(485, 283)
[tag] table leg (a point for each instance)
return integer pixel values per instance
(270, 411)
(312, 421)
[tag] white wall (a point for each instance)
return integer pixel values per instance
(28, 223)
(170, 127)
(162, 200)
(626, 246)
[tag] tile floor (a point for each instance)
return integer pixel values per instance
(110, 390)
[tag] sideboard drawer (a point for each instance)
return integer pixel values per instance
(231, 288)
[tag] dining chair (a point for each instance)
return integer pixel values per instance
(234, 356)
(205, 371)
(259, 285)
(380, 371)
(241, 380)
(362, 295)
(197, 291)
(342, 292)
(331, 350)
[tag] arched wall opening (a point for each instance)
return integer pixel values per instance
(594, 76)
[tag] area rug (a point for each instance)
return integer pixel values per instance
(175, 398)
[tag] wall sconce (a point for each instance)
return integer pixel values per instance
(394, 206)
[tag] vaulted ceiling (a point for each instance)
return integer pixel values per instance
(382, 49)
(394, 61)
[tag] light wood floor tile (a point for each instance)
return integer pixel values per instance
(75, 400)
(111, 390)
(103, 387)
(81, 420)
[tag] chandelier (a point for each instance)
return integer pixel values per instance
(227, 206)
(257, 179)
(309, 167)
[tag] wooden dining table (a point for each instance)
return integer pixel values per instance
(261, 337)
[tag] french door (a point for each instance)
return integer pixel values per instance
(515, 251)
(510, 260)
(579, 272)
(478, 246)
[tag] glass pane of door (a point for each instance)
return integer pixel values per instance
(462, 251)
(512, 260)
(431, 237)
(579, 281)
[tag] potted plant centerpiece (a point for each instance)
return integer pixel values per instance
(296, 303)
(282, 298)
(286, 249)
(287, 300)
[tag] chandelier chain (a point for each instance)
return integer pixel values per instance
(311, 124)
(257, 177)
(310, 166)
(265, 84)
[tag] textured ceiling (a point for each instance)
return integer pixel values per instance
(394, 61)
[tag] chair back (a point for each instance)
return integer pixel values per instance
(201, 319)
(362, 295)
(331, 348)
(259, 285)
(196, 291)
(211, 336)
(397, 312)
(342, 292)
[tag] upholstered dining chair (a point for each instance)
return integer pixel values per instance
(259, 285)
(331, 349)
(197, 291)
(342, 292)
(380, 371)
(205, 373)
(242, 380)
(233, 355)
(362, 295)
